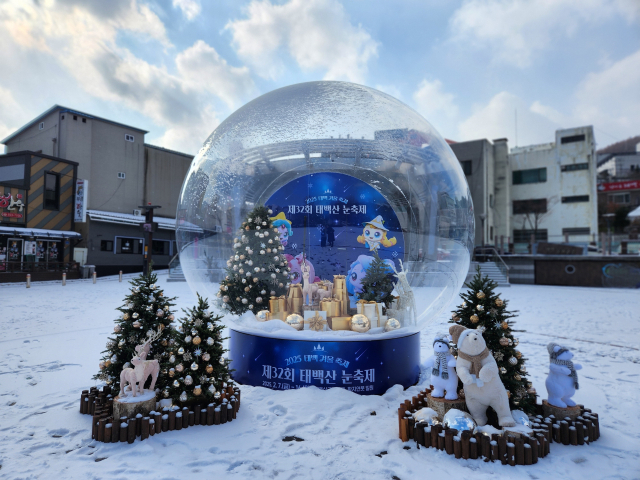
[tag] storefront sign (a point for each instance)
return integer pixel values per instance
(619, 186)
(80, 210)
(14, 206)
(364, 367)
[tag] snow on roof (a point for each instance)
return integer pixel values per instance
(39, 232)
(130, 219)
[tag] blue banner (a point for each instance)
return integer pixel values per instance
(365, 367)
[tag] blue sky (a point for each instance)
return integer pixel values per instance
(179, 67)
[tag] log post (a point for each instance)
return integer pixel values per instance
(165, 422)
(502, 449)
(579, 433)
(115, 430)
(418, 433)
(216, 416)
(495, 450)
(528, 454)
(573, 435)
(107, 432)
(465, 444)
(158, 421)
(124, 427)
(448, 441)
(411, 423)
(179, 420)
(144, 428)
(192, 418)
(210, 412)
(441, 441)
(185, 417)
(196, 411)
(83, 400)
(427, 436)
(519, 451)
(535, 448)
(511, 454)
(101, 423)
(457, 447)
(152, 426)
(435, 431)
(564, 432)
(473, 448)
(131, 437)
(172, 419)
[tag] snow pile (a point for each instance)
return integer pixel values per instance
(52, 337)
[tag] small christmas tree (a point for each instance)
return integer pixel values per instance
(257, 269)
(481, 307)
(197, 366)
(377, 283)
(145, 310)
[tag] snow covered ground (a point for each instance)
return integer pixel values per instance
(52, 337)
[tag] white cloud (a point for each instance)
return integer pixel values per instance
(610, 99)
(497, 119)
(11, 114)
(190, 8)
(201, 67)
(437, 106)
(83, 41)
(516, 30)
(317, 34)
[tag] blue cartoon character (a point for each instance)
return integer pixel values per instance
(284, 227)
(374, 234)
(358, 270)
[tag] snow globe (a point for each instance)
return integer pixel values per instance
(355, 183)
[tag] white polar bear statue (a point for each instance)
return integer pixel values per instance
(479, 373)
(443, 373)
(562, 381)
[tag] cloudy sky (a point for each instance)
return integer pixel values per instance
(179, 67)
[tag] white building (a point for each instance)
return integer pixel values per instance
(554, 189)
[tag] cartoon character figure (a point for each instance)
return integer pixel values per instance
(53, 252)
(358, 270)
(14, 252)
(375, 233)
(40, 250)
(284, 227)
(295, 264)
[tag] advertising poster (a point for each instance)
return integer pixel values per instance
(335, 222)
(80, 209)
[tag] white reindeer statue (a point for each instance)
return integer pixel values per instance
(321, 293)
(143, 368)
(308, 289)
(405, 293)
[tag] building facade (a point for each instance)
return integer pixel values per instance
(544, 193)
(36, 213)
(121, 173)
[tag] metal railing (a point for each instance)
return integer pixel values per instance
(28, 267)
(489, 253)
(174, 263)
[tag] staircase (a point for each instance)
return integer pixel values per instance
(175, 271)
(491, 270)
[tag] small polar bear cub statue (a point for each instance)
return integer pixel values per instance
(562, 381)
(479, 373)
(443, 373)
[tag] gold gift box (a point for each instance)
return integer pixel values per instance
(339, 323)
(295, 291)
(282, 315)
(273, 304)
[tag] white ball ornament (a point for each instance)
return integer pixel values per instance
(188, 380)
(209, 341)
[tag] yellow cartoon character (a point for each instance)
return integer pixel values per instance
(284, 227)
(374, 234)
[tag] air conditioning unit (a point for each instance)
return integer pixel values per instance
(137, 212)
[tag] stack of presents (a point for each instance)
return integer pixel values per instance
(324, 306)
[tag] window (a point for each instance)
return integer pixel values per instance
(466, 167)
(129, 245)
(572, 139)
(575, 199)
(574, 167)
(62, 117)
(121, 175)
(532, 175)
(522, 207)
(128, 138)
(491, 233)
(576, 231)
(84, 120)
(51, 191)
(160, 247)
(41, 126)
(619, 198)
(524, 236)
(106, 245)
(75, 117)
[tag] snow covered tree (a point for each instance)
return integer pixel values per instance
(257, 269)
(377, 283)
(145, 310)
(197, 366)
(482, 307)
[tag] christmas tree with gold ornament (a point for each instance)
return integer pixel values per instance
(145, 311)
(197, 369)
(257, 269)
(482, 307)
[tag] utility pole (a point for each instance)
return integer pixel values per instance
(148, 227)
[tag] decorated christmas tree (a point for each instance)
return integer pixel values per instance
(482, 307)
(377, 283)
(145, 311)
(257, 269)
(197, 367)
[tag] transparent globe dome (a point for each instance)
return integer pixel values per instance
(348, 172)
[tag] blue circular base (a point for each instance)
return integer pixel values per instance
(365, 367)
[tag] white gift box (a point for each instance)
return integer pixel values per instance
(316, 320)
